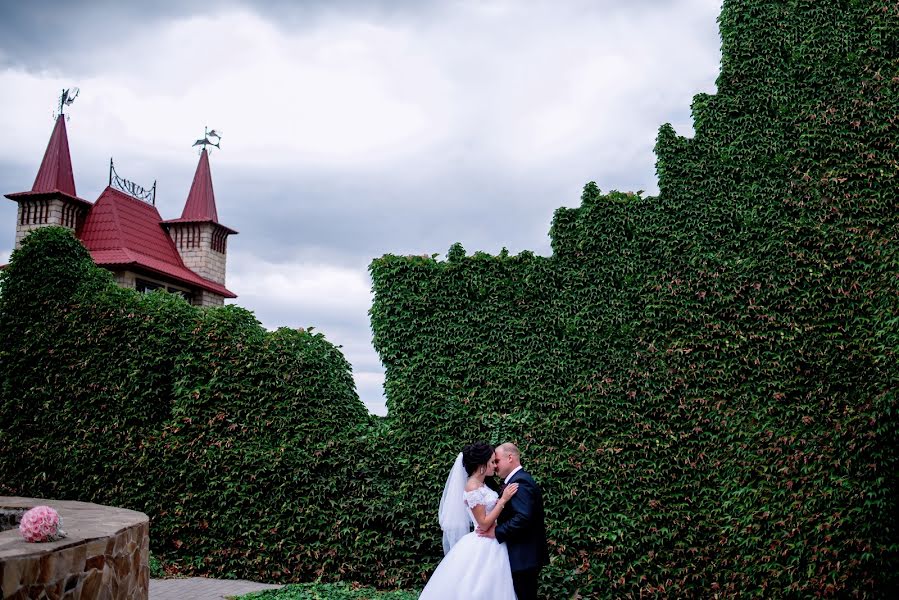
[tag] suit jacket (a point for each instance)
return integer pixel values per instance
(521, 525)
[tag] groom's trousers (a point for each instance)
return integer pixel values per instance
(525, 583)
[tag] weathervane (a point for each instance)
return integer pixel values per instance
(207, 141)
(66, 98)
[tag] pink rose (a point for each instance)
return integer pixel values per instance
(41, 524)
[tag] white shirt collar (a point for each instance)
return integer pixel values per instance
(509, 476)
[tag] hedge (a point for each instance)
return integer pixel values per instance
(704, 382)
(230, 437)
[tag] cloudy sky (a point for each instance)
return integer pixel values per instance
(354, 129)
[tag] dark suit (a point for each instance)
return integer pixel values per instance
(522, 529)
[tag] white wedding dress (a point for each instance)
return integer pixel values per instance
(476, 568)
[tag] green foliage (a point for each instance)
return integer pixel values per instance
(329, 591)
(231, 438)
(258, 444)
(157, 571)
(58, 257)
(705, 382)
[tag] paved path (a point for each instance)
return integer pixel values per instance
(200, 588)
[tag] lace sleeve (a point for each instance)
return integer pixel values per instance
(475, 498)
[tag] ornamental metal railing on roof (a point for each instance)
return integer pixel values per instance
(129, 187)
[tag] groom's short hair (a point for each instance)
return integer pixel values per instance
(510, 448)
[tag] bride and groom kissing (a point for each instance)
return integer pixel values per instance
(502, 558)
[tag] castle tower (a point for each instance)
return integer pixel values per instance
(200, 239)
(52, 199)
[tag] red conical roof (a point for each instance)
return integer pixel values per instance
(55, 173)
(200, 205)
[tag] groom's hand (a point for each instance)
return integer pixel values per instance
(490, 532)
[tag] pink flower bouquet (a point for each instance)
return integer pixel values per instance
(41, 524)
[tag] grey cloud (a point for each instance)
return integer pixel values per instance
(12, 179)
(50, 34)
(43, 35)
(362, 217)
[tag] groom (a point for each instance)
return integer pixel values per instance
(520, 526)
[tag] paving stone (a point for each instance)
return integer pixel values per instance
(200, 588)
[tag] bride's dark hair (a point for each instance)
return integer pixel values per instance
(475, 455)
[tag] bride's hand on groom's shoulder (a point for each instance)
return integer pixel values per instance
(509, 491)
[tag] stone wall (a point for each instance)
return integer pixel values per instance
(36, 213)
(125, 279)
(105, 555)
(204, 298)
(196, 242)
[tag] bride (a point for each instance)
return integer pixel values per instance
(474, 567)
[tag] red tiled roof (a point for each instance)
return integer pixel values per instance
(200, 205)
(56, 167)
(121, 230)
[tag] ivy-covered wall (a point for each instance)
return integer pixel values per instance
(704, 382)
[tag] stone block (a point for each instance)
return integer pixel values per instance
(96, 548)
(122, 566)
(95, 562)
(55, 591)
(91, 584)
(12, 575)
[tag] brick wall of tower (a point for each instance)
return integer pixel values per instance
(202, 247)
(37, 213)
(125, 279)
(204, 298)
(197, 297)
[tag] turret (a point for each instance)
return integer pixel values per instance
(52, 199)
(200, 239)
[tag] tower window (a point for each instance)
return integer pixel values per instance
(144, 286)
